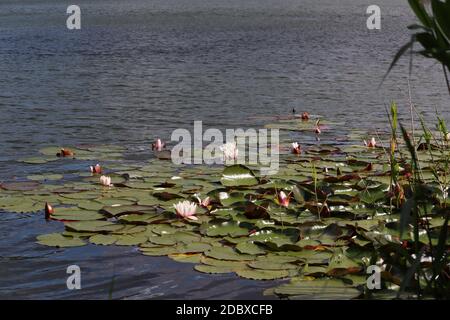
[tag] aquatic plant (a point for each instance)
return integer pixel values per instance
(283, 199)
(318, 223)
(371, 144)
(296, 149)
(97, 169)
(433, 34)
(305, 116)
(186, 209)
(105, 181)
(158, 145)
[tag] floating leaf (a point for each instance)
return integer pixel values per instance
(262, 274)
(227, 253)
(58, 240)
(238, 175)
(249, 248)
(323, 288)
(93, 226)
(102, 239)
(227, 228)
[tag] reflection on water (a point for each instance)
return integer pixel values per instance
(140, 69)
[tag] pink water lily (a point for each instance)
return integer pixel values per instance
(371, 144)
(305, 116)
(283, 199)
(296, 149)
(65, 153)
(105, 181)
(158, 145)
(230, 151)
(186, 209)
(97, 169)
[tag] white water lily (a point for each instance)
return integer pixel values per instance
(230, 151)
(186, 209)
(106, 181)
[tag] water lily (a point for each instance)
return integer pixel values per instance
(106, 181)
(230, 151)
(305, 116)
(371, 144)
(48, 210)
(283, 199)
(397, 192)
(97, 169)
(203, 203)
(296, 149)
(186, 209)
(317, 128)
(158, 145)
(65, 153)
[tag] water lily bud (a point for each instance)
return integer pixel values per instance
(48, 210)
(296, 148)
(283, 199)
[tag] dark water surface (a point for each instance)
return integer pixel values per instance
(140, 69)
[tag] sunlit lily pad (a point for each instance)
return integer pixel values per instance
(238, 175)
(58, 240)
(93, 226)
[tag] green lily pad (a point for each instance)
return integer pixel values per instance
(42, 177)
(227, 228)
(249, 248)
(75, 214)
(58, 240)
(262, 274)
(318, 289)
(238, 175)
(102, 239)
(186, 257)
(227, 253)
(213, 269)
(93, 226)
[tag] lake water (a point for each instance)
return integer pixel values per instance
(140, 69)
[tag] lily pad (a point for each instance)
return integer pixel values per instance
(238, 175)
(58, 240)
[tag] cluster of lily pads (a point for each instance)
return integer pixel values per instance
(338, 218)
